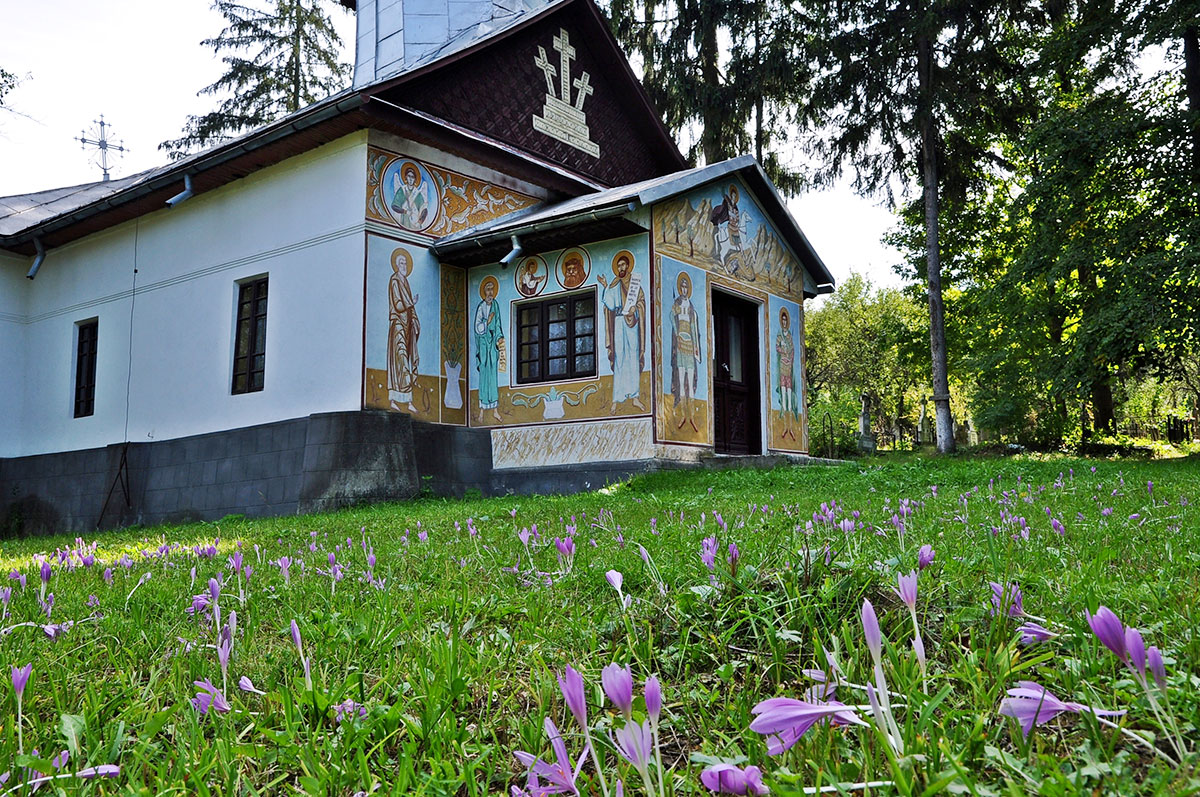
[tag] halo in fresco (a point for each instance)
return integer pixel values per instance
(410, 194)
(574, 267)
(531, 276)
(489, 280)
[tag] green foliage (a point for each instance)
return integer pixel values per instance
(866, 340)
(730, 77)
(279, 59)
(455, 659)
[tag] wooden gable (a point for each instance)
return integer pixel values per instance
(594, 120)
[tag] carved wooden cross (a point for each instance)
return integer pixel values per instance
(584, 90)
(563, 44)
(548, 68)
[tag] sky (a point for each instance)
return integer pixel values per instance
(140, 64)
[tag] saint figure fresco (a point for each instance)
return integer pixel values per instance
(573, 270)
(404, 328)
(785, 367)
(410, 198)
(730, 228)
(624, 315)
(489, 347)
(685, 352)
(531, 277)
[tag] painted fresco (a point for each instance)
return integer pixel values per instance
(414, 349)
(683, 352)
(785, 347)
(717, 236)
(720, 228)
(422, 198)
(617, 273)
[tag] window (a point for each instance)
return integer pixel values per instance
(556, 338)
(250, 341)
(85, 368)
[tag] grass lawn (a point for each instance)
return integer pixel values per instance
(436, 632)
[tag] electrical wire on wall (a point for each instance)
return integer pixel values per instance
(122, 475)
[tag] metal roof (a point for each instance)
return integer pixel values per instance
(599, 211)
(25, 216)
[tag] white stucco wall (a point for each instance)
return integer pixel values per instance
(299, 222)
(13, 296)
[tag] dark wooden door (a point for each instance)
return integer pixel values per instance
(736, 376)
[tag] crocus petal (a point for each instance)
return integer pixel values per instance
(102, 771)
(1136, 649)
(618, 685)
(1108, 629)
(615, 579)
(870, 625)
(1154, 657)
(571, 684)
(653, 693)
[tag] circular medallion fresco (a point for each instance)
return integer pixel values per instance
(574, 267)
(410, 194)
(531, 276)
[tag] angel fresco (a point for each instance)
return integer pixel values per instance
(410, 198)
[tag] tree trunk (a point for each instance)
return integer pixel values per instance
(937, 309)
(1104, 418)
(1191, 82)
(710, 76)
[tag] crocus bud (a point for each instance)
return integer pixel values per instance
(571, 684)
(615, 579)
(925, 556)
(20, 677)
(296, 635)
(214, 588)
(871, 630)
(907, 589)
(653, 699)
(1108, 629)
(1136, 649)
(618, 685)
(1154, 657)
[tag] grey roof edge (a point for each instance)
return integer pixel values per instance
(321, 111)
(624, 199)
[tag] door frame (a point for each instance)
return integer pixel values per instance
(754, 306)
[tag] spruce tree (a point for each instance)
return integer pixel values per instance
(279, 58)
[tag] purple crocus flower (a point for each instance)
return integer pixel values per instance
(209, 697)
(348, 709)
(1032, 704)
(708, 552)
(1136, 649)
(728, 779)
(246, 685)
(635, 743)
(783, 720)
(653, 692)
(907, 589)
(560, 776)
(45, 571)
(108, 576)
(1108, 629)
(1155, 661)
(871, 631)
(1032, 633)
(925, 556)
(615, 579)
(571, 684)
(618, 685)
(1007, 600)
(20, 677)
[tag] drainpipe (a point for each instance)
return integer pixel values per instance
(38, 260)
(183, 195)
(513, 254)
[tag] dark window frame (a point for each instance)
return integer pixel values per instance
(533, 334)
(250, 336)
(86, 337)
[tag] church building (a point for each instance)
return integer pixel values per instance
(485, 265)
